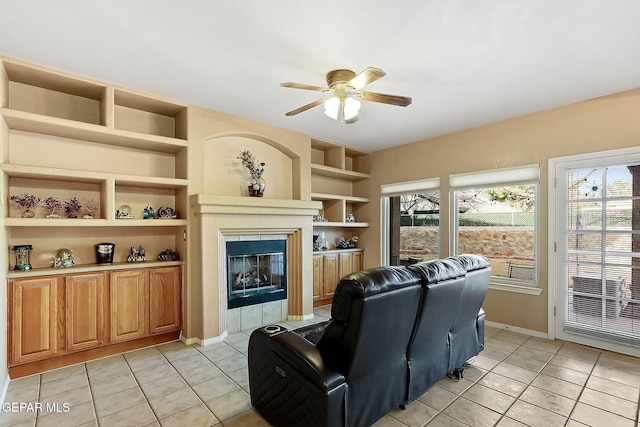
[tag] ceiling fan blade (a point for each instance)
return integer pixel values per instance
(305, 87)
(305, 107)
(401, 101)
(369, 75)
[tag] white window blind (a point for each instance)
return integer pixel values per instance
(409, 187)
(520, 175)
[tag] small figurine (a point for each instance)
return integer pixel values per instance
(137, 255)
(64, 258)
(167, 255)
(350, 218)
(319, 218)
(166, 213)
(124, 212)
(148, 213)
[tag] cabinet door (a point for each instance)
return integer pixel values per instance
(331, 274)
(165, 313)
(33, 316)
(84, 311)
(358, 261)
(346, 263)
(318, 288)
(128, 304)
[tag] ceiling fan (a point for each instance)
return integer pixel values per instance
(342, 101)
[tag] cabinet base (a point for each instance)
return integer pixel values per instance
(324, 301)
(87, 355)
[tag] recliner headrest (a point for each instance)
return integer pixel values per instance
(471, 262)
(438, 270)
(362, 284)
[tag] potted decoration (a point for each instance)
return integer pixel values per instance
(26, 201)
(89, 209)
(52, 204)
(71, 206)
(255, 184)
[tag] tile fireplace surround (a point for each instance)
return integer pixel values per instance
(225, 218)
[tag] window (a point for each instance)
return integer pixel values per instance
(413, 211)
(494, 214)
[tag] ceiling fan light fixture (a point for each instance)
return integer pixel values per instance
(344, 88)
(332, 107)
(351, 108)
(343, 110)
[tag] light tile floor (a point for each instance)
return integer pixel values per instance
(516, 381)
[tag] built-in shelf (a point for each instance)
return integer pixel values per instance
(332, 172)
(335, 173)
(67, 136)
(80, 222)
(341, 224)
(352, 199)
(86, 268)
(70, 175)
(65, 128)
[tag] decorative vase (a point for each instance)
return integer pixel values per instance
(28, 213)
(256, 187)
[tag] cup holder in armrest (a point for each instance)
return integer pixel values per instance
(272, 329)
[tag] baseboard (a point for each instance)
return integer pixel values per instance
(5, 389)
(297, 318)
(204, 342)
(517, 329)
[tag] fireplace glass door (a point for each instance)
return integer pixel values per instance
(256, 272)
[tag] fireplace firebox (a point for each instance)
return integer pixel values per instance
(256, 271)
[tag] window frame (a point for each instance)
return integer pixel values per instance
(398, 189)
(521, 175)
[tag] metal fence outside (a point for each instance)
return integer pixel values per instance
(495, 219)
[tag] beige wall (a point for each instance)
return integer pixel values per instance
(600, 124)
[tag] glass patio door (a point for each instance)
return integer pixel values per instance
(597, 272)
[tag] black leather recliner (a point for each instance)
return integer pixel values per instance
(388, 341)
(467, 331)
(428, 354)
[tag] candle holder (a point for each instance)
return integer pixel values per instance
(22, 257)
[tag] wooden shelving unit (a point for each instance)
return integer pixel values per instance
(68, 136)
(335, 170)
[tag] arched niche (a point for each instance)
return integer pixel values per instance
(225, 175)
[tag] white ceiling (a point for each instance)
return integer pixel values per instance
(465, 63)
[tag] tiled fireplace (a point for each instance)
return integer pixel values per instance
(256, 271)
(225, 219)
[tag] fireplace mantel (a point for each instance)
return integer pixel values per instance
(219, 218)
(212, 204)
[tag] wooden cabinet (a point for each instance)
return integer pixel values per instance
(165, 302)
(85, 298)
(329, 268)
(128, 308)
(59, 314)
(34, 308)
(331, 274)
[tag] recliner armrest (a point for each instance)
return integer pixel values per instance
(312, 332)
(306, 359)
